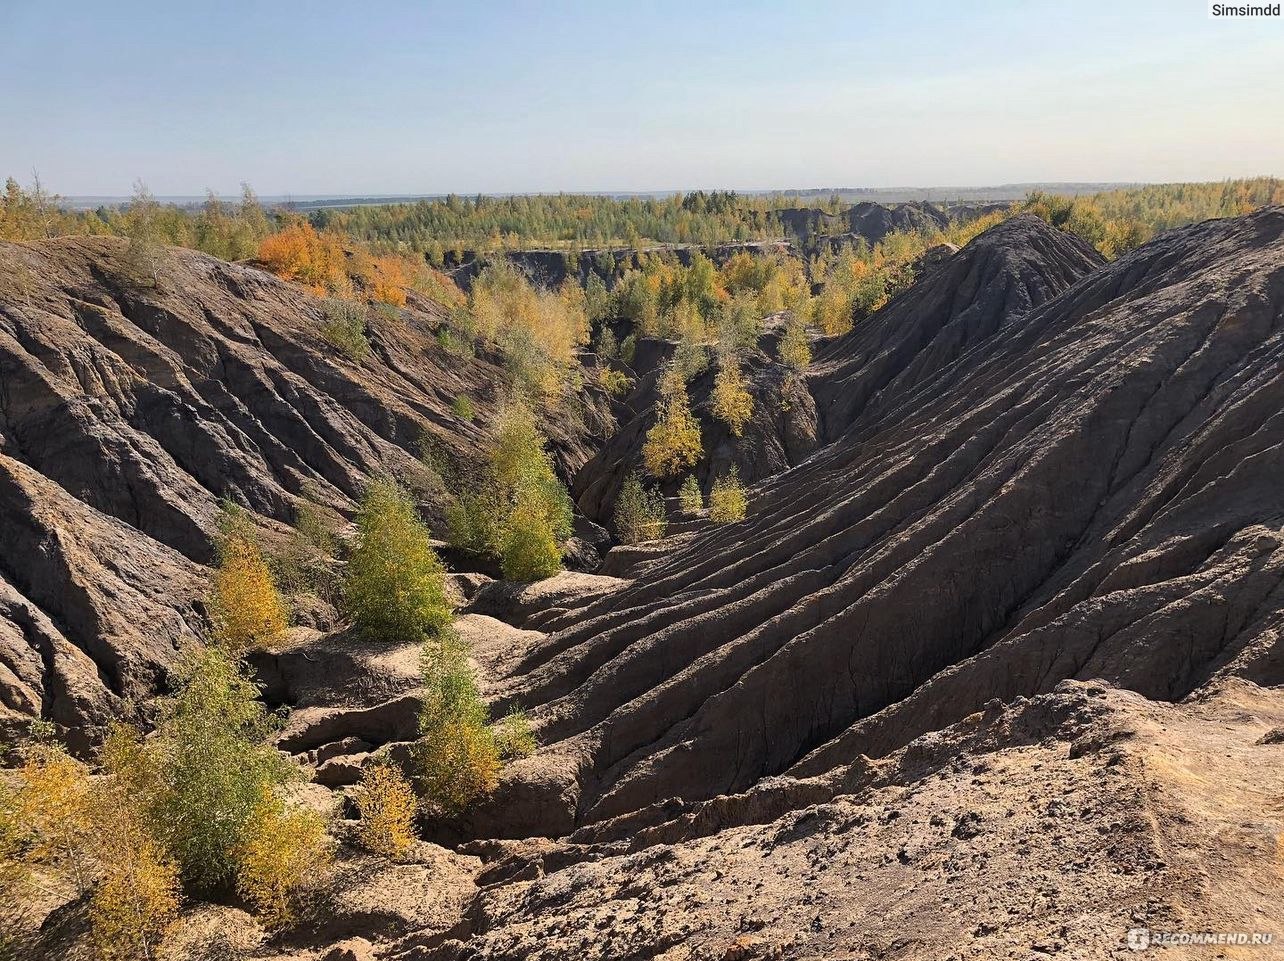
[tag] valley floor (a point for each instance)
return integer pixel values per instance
(1049, 828)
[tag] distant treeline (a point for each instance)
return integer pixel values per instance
(572, 221)
(1112, 220)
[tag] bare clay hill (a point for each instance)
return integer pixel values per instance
(127, 411)
(992, 670)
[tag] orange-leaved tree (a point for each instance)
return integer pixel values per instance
(299, 252)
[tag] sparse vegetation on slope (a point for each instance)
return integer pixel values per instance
(538, 330)
(673, 443)
(388, 805)
(395, 588)
(517, 511)
(457, 754)
(727, 499)
(199, 809)
(640, 514)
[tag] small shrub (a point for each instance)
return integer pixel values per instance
(15, 872)
(513, 736)
(460, 762)
(673, 443)
(690, 498)
(473, 520)
(136, 896)
(458, 757)
(462, 407)
(343, 324)
(245, 606)
(283, 852)
(518, 510)
(146, 258)
(527, 542)
(305, 563)
(727, 501)
(732, 402)
(209, 770)
(55, 806)
(628, 349)
(614, 382)
(386, 281)
(795, 348)
(454, 344)
(388, 806)
(607, 347)
(317, 526)
(640, 514)
(395, 589)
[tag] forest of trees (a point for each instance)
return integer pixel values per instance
(435, 228)
(571, 221)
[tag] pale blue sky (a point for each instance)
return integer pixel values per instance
(392, 96)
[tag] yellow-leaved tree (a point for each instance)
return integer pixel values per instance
(245, 606)
(732, 402)
(518, 511)
(100, 831)
(728, 501)
(458, 756)
(388, 806)
(673, 443)
(282, 851)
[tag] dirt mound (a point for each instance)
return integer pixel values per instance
(874, 221)
(127, 412)
(866, 221)
(970, 297)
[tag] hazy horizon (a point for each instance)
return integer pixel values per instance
(942, 191)
(398, 98)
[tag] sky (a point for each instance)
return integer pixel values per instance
(399, 97)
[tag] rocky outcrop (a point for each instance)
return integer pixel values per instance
(868, 221)
(90, 610)
(874, 221)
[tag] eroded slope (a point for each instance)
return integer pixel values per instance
(1093, 492)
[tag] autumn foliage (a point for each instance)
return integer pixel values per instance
(388, 805)
(732, 402)
(97, 831)
(395, 589)
(299, 253)
(246, 608)
(728, 501)
(673, 443)
(458, 757)
(517, 510)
